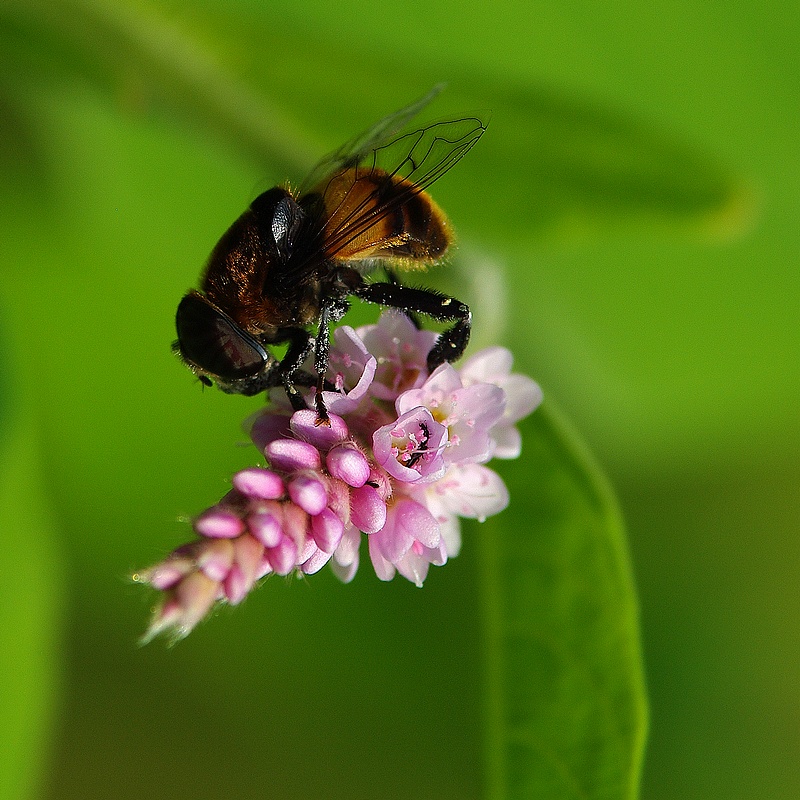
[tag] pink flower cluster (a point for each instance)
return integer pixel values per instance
(402, 459)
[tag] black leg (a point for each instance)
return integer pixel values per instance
(332, 311)
(452, 343)
(300, 344)
(392, 276)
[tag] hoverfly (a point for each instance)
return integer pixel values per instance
(293, 259)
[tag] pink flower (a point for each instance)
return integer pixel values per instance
(468, 412)
(408, 543)
(401, 351)
(400, 463)
(411, 448)
(523, 395)
(350, 365)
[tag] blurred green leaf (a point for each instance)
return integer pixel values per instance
(568, 167)
(566, 705)
(28, 616)
(552, 164)
(140, 55)
(21, 163)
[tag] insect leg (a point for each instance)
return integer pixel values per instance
(300, 345)
(333, 309)
(392, 276)
(452, 343)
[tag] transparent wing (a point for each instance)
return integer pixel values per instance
(354, 151)
(367, 207)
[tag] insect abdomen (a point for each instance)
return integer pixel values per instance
(376, 215)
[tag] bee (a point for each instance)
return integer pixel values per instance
(293, 260)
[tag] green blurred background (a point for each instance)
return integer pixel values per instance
(667, 327)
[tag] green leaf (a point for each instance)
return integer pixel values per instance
(28, 617)
(565, 166)
(565, 704)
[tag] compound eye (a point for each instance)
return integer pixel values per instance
(211, 341)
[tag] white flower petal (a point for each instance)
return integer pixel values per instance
(473, 491)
